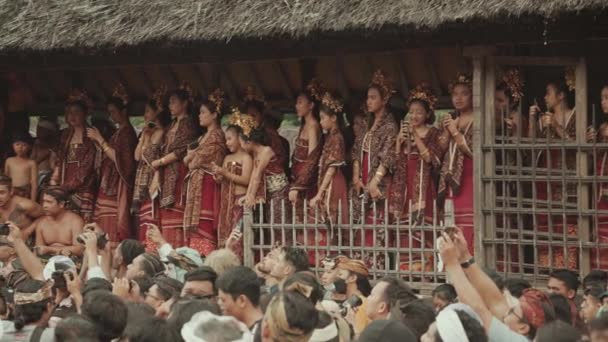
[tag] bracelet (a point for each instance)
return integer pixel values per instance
(162, 161)
(468, 263)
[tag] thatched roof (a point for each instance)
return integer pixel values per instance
(57, 24)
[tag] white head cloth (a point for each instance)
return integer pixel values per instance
(190, 329)
(449, 326)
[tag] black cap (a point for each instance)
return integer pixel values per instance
(387, 331)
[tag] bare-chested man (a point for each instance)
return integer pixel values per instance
(57, 231)
(21, 211)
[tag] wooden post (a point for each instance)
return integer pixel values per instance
(487, 228)
(248, 257)
(582, 162)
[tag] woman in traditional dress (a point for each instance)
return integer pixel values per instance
(234, 176)
(555, 125)
(117, 172)
(203, 192)
(418, 158)
(455, 192)
(305, 159)
(373, 160)
(268, 183)
(178, 136)
(600, 235)
(147, 182)
(331, 198)
(75, 170)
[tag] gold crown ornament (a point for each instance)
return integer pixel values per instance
(217, 98)
(315, 89)
(381, 81)
(121, 93)
(512, 78)
(332, 103)
(422, 92)
(78, 95)
(461, 78)
(246, 122)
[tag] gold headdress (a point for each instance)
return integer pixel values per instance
(315, 89)
(461, 78)
(159, 97)
(332, 103)
(570, 78)
(382, 82)
(121, 93)
(246, 122)
(252, 95)
(77, 95)
(46, 292)
(422, 92)
(217, 98)
(512, 78)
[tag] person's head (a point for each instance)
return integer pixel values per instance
(330, 273)
(289, 314)
(289, 261)
(598, 329)
(206, 326)
(331, 113)
(152, 329)
(558, 94)
(604, 99)
(257, 137)
(210, 112)
(238, 292)
(179, 102)
(386, 331)
(7, 250)
(126, 252)
(455, 325)
(417, 315)
(183, 310)
(562, 307)
(508, 92)
(222, 260)
(421, 103)
(533, 310)
(232, 138)
(595, 278)
(117, 108)
(200, 282)
(46, 129)
(355, 274)
(385, 295)
(307, 102)
(107, 311)
(516, 286)
(327, 329)
(22, 144)
(76, 113)
(307, 279)
(76, 328)
(6, 190)
(33, 301)
(254, 104)
(96, 284)
(443, 295)
(591, 304)
(163, 290)
(155, 110)
(558, 331)
(379, 93)
(144, 283)
(145, 264)
(54, 200)
(564, 282)
(461, 93)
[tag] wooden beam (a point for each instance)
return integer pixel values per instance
(255, 79)
(370, 66)
(95, 85)
(209, 82)
(285, 86)
(341, 80)
(150, 86)
(435, 83)
(537, 61)
(171, 75)
(122, 80)
(582, 163)
(198, 79)
(45, 90)
(307, 69)
(401, 71)
(231, 87)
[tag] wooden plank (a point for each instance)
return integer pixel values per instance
(401, 73)
(150, 86)
(582, 162)
(434, 78)
(248, 255)
(196, 75)
(341, 79)
(489, 162)
(255, 78)
(229, 85)
(537, 61)
(282, 75)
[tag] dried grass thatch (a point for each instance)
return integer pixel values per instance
(56, 24)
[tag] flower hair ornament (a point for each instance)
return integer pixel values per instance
(570, 78)
(121, 93)
(77, 95)
(382, 82)
(246, 122)
(315, 89)
(331, 103)
(252, 95)
(217, 98)
(159, 97)
(512, 78)
(461, 78)
(422, 92)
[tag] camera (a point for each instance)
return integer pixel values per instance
(4, 229)
(101, 240)
(57, 276)
(353, 301)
